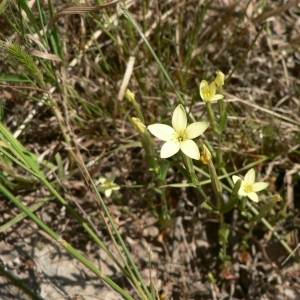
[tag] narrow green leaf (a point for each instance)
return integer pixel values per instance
(2, 6)
(13, 78)
(23, 4)
(233, 198)
(22, 215)
(164, 169)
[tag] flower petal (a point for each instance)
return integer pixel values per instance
(253, 196)
(212, 88)
(162, 131)
(102, 179)
(169, 148)
(203, 88)
(190, 149)
(235, 179)
(217, 97)
(115, 187)
(259, 186)
(195, 129)
(250, 176)
(242, 192)
(179, 120)
(101, 188)
(108, 192)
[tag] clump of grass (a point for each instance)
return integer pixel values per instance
(22, 58)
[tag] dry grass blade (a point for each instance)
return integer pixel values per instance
(79, 10)
(279, 116)
(46, 55)
(126, 77)
(275, 11)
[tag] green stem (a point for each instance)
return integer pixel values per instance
(219, 158)
(224, 243)
(141, 283)
(165, 210)
(210, 114)
(188, 163)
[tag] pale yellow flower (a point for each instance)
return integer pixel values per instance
(208, 91)
(107, 185)
(249, 187)
(179, 137)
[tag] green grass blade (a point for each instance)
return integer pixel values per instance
(64, 244)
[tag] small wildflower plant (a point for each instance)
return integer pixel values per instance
(179, 136)
(107, 185)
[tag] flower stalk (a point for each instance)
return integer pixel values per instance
(147, 143)
(149, 148)
(216, 185)
(211, 92)
(131, 98)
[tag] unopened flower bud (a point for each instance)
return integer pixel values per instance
(220, 79)
(276, 198)
(141, 127)
(206, 156)
(129, 95)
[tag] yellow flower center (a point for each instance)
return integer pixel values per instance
(109, 185)
(207, 92)
(248, 188)
(179, 136)
(208, 95)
